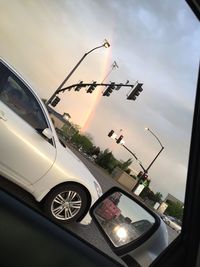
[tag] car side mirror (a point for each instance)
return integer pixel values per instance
(47, 133)
(126, 223)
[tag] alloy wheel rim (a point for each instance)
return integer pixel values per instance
(66, 205)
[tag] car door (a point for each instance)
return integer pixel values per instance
(26, 155)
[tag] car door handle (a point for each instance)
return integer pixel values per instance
(2, 115)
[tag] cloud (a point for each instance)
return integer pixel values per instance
(155, 42)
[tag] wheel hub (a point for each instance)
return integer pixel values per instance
(66, 205)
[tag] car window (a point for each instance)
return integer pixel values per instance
(19, 98)
(123, 106)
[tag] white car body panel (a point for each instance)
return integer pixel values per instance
(29, 160)
(28, 155)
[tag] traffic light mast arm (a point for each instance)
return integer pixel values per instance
(88, 84)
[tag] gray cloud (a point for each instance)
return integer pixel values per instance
(155, 42)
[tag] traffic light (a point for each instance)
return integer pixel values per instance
(145, 176)
(91, 87)
(142, 176)
(135, 92)
(78, 87)
(110, 133)
(118, 86)
(55, 101)
(109, 89)
(119, 140)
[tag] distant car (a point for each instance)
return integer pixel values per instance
(165, 219)
(174, 225)
(33, 157)
(172, 222)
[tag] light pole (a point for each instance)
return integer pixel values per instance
(162, 147)
(105, 44)
(146, 170)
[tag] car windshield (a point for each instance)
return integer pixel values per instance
(118, 79)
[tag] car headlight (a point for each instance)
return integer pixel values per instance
(98, 189)
(120, 232)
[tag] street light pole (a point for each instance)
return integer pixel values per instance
(134, 156)
(106, 45)
(162, 147)
(146, 170)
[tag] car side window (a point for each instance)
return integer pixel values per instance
(18, 97)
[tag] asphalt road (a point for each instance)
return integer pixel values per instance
(89, 233)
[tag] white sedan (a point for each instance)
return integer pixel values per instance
(33, 158)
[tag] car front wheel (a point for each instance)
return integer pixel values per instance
(66, 203)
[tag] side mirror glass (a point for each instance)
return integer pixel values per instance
(121, 219)
(47, 133)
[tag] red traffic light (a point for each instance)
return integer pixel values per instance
(143, 175)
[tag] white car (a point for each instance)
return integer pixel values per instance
(33, 158)
(173, 224)
(170, 221)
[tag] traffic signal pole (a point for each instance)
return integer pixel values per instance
(89, 84)
(145, 170)
(106, 44)
(134, 156)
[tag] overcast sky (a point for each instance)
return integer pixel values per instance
(154, 42)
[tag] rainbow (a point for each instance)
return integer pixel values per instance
(97, 96)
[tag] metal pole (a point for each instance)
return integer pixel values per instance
(162, 147)
(134, 156)
(155, 136)
(146, 171)
(71, 72)
(154, 159)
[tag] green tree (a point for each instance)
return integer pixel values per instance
(95, 151)
(107, 160)
(83, 141)
(148, 193)
(158, 197)
(174, 209)
(124, 165)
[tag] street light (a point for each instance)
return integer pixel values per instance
(146, 170)
(105, 44)
(162, 147)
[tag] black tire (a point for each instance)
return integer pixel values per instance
(60, 211)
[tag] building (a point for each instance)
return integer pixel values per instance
(123, 178)
(171, 198)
